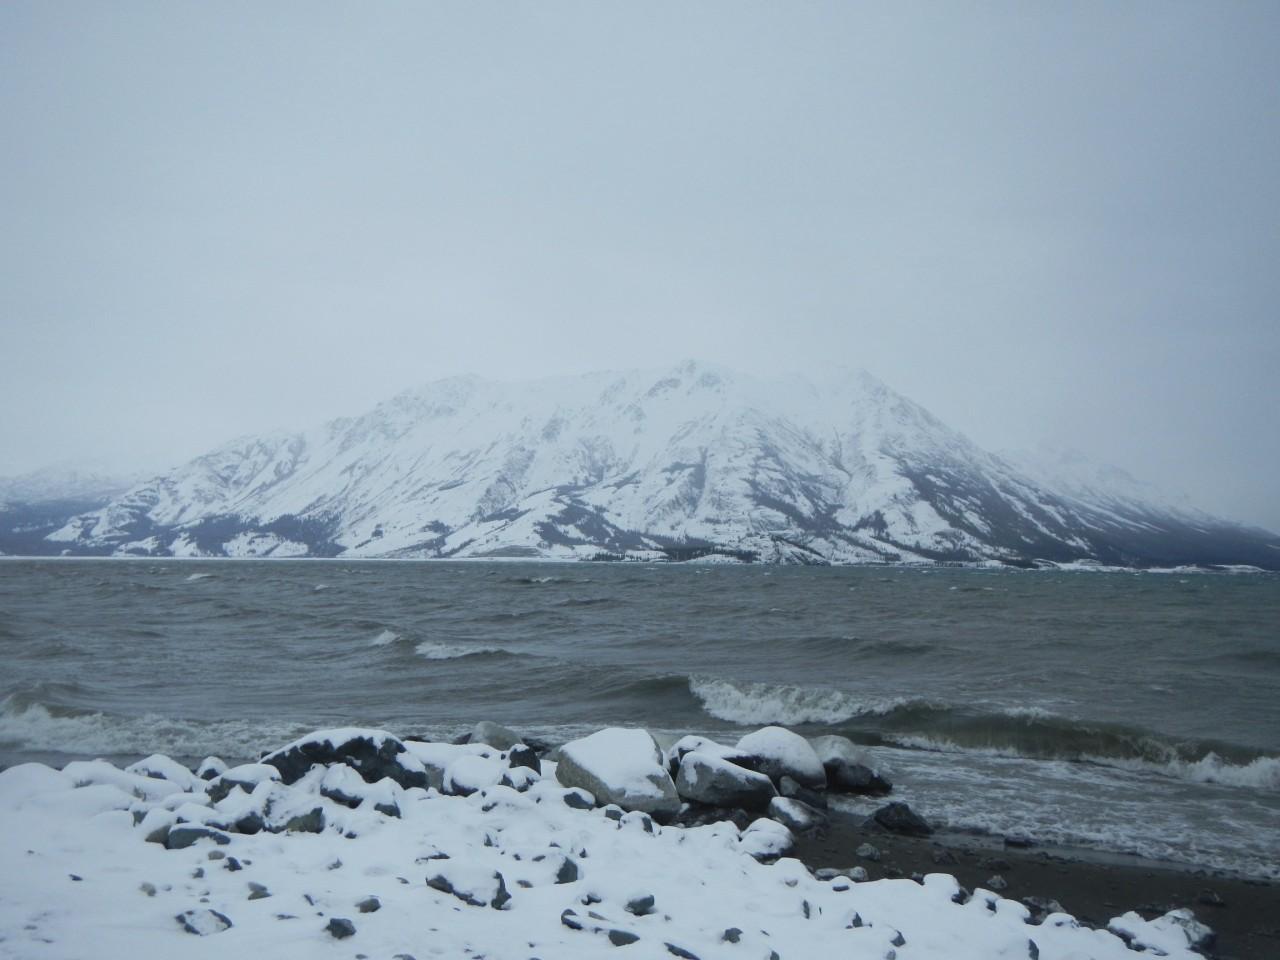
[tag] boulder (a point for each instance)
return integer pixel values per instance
(622, 766)
(523, 755)
(707, 779)
(777, 753)
(246, 776)
(766, 840)
(373, 754)
(185, 835)
(814, 798)
(494, 734)
(796, 816)
(849, 767)
(899, 818)
(688, 744)
(846, 777)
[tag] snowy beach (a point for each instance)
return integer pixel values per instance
(353, 842)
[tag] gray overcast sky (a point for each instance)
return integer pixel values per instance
(1054, 222)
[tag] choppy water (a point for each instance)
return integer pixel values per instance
(1128, 712)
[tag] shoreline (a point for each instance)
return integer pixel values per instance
(1243, 912)
(1049, 566)
(1093, 885)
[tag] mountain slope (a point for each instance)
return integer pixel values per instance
(642, 464)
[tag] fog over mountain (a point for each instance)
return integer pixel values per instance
(695, 460)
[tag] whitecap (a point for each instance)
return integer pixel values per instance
(35, 728)
(751, 703)
(385, 638)
(438, 650)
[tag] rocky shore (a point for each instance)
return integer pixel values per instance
(495, 847)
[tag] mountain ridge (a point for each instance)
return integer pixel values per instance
(649, 465)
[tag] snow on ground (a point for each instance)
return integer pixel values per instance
(504, 872)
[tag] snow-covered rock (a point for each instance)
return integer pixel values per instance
(707, 779)
(373, 753)
(778, 753)
(621, 766)
(796, 816)
(498, 873)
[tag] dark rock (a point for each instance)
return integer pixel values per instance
(796, 791)
(440, 882)
(203, 923)
(369, 905)
(944, 857)
(184, 835)
(997, 883)
(502, 896)
(312, 822)
(732, 935)
(568, 871)
(680, 952)
(522, 755)
(900, 818)
(796, 816)
(1041, 907)
(641, 906)
(1211, 898)
(570, 919)
(699, 815)
(250, 823)
(232, 865)
(708, 780)
(372, 755)
(340, 928)
(868, 851)
(148, 888)
(578, 799)
(846, 777)
(388, 809)
(258, 892)
(159, 835)
(620, 938)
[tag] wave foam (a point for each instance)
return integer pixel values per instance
(385, 638)
(1261, 773)
(437, 650)
(749, 703)
(36, 728)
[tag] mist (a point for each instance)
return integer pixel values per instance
(1047, 225)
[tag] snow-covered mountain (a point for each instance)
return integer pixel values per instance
(669, 464)
(65, 481)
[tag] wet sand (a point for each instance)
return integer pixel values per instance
(1245, 914)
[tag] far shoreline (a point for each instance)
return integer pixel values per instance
(993, 566)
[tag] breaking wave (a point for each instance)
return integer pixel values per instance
(439, 650)
(1025, 731)
(41, 727)
(749, 703)
(384, 639)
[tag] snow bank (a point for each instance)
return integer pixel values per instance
(334, 865)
